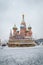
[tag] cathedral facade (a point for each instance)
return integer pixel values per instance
(23, 37)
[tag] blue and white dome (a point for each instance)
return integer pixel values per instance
(22, 26)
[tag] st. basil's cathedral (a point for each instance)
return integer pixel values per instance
(21, 38)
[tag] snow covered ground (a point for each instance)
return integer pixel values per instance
(21, 55)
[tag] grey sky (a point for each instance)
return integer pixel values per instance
(11, 11)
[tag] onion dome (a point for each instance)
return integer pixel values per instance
(22, 26)
(18, 31)
(15, 27)
(29, 27)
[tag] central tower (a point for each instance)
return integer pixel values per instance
(23, 26)
(23, 22)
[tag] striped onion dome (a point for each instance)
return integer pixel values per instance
(15, 27)
(22, 26)
(29, 27)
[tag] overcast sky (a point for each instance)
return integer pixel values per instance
(11, 13)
